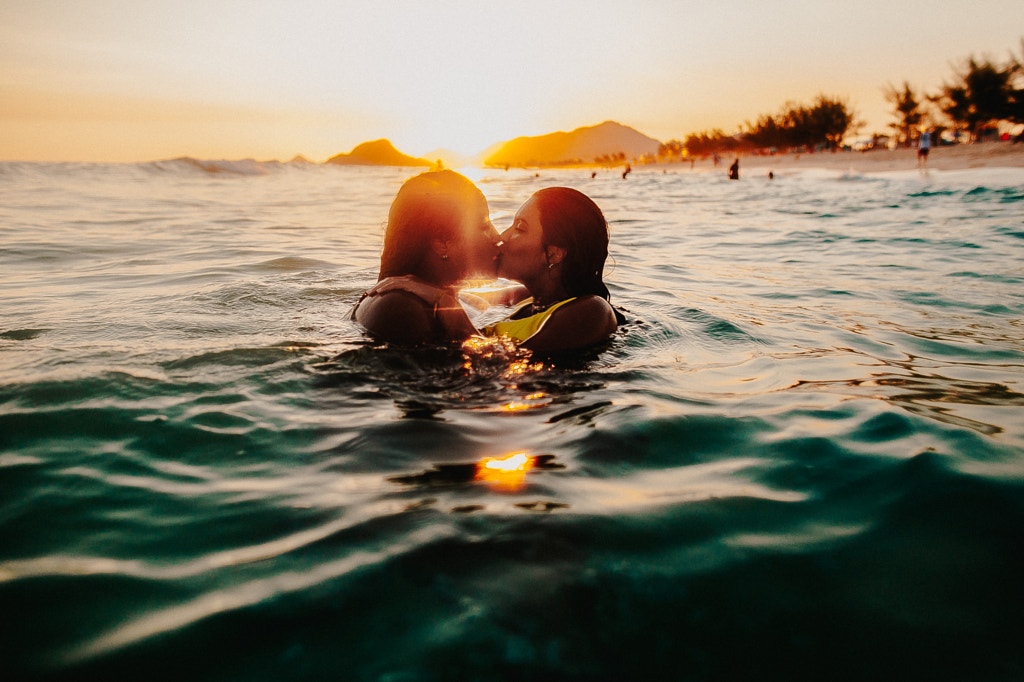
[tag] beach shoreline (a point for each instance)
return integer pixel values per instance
(953, 157)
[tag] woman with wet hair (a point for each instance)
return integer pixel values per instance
(438, 234)
(557, 246)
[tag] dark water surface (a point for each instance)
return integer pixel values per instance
(802, 459)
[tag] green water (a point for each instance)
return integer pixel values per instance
(803, 458)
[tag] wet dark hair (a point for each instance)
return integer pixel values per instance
(572, 221)
(428, 206)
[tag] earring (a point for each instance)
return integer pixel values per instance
(444, 257)
(550, 266)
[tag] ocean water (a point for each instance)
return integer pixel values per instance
(802, 458)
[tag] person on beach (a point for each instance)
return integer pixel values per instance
(556, 247)
(923, 147)
(439, 233)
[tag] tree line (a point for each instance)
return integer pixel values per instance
(982, 94)
(821, 125)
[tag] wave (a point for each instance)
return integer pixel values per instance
(184, 165)
(189, 165)
(215, 167)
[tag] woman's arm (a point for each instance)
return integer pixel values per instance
(507, 296)
(577, 324)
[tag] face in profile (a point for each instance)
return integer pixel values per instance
(475, 249)
(523, 257)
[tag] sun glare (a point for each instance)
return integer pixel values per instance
(462, 126)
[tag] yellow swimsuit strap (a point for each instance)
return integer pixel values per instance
(520, 330)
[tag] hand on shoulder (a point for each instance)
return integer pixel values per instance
(429, 293)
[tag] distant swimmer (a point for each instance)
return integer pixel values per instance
(923, 147)
(734, 170)
(629, 169)
(771, 175)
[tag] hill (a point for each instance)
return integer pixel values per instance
(580, 146)
(377, 153)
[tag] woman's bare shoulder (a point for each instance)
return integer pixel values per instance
(396, 317)
(579, 323)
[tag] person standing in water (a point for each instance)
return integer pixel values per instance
(734, 170)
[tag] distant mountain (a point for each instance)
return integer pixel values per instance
(377, 153)
(583, 145)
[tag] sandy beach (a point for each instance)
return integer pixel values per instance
(955, 157)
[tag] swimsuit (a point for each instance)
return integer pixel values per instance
(521, 329)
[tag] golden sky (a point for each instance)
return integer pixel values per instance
(137, 80)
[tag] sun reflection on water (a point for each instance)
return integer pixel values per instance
(478, 350)
(532, 401)
(508, 472)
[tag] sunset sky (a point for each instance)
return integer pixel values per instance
(136, 80)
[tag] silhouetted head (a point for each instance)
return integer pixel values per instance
(439, 230)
